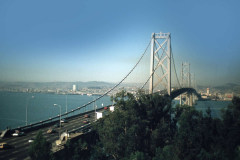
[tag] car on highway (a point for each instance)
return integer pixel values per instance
(105, 108)
(86, 116)
(31, 140)
(4, 145)
(18, 134)
(86, 121)
(50, 130)
(64, 121)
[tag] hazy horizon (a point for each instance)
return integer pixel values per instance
(75, 82)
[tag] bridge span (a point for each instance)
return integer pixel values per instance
(20, 145)
(160, 73)
(178, 92)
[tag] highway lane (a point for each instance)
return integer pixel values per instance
(21, 145)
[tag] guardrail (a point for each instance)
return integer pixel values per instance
(82, 128)
(53, 120)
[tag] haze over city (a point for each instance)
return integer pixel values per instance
(52, 41)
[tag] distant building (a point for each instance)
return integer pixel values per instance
(74, 88)
(208, 92)
(228, 96)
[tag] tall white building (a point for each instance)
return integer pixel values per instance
(74, 88)
(208, 92)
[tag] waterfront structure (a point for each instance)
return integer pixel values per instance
(74, 88)
(208, 92)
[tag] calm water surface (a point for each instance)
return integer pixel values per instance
(40, 106)
(215, 106)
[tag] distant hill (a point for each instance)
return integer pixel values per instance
(229, 87)
(53, 85)
(94, 84)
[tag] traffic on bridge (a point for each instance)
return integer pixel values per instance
(18, 145)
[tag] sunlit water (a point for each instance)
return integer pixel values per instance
(39, 106)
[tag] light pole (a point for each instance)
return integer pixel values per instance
(28, 98)
(66, 103)
(95, 109)
(59, 117)
(27, 111)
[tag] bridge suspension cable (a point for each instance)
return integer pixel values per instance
(149, 77)
(115, 85)
(179, 85)
(78, 108)
(175, 69)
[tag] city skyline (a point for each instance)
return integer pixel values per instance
(61, 41)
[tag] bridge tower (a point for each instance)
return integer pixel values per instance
(185, 75)
(160, 62)
(186, 82)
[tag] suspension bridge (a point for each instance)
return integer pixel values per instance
(158, 75)
(158, 79)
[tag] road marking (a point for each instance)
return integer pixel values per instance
(22, 144)
(27, 158)
(14, 152)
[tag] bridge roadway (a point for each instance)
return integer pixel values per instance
(20, 145)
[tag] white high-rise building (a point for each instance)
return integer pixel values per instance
(74, 88)
(208, 92)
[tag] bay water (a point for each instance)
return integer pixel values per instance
(215, 106)
(40, 106)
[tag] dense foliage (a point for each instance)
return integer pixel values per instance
(146, 127)
(40, 149)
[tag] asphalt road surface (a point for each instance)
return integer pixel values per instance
(20, 145)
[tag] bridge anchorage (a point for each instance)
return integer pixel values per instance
(160, 71)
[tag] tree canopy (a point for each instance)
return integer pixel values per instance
(40, 149)
(148, 127)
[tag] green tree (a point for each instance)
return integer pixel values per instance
(138, 156)
(231, 129)
(40, 149)
(202, 137)
(166, 153)
(83, 148)
(147, 127)
(189, 137)
(139, 124)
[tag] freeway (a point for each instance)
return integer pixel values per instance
(20, 145)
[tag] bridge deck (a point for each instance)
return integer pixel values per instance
(21, 145)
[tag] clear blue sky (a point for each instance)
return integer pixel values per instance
(88, 40)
